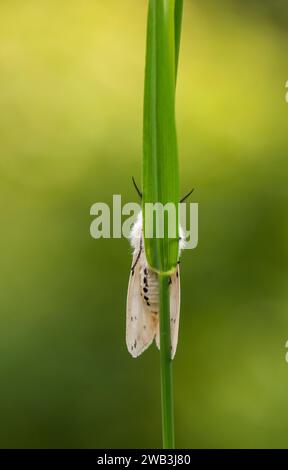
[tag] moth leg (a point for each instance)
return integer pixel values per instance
(138, 257)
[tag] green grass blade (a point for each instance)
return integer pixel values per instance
(178, 25)
(160, 160)
(161, 173)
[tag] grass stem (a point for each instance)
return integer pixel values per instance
(161, 172)
(166, 364)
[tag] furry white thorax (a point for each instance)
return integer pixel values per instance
(137, 234)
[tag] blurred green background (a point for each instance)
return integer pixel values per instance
(71, 92)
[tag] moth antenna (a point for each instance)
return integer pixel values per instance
(187, 195)
(136, 187)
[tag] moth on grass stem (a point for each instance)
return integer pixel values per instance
(142, 311)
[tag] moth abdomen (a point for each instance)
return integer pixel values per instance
(149, 288)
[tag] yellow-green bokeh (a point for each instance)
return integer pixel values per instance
(71, 94)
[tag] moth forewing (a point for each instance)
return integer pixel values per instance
(174, 309)
(140, 324)
(174, 288)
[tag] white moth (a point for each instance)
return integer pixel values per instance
(142, 311)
